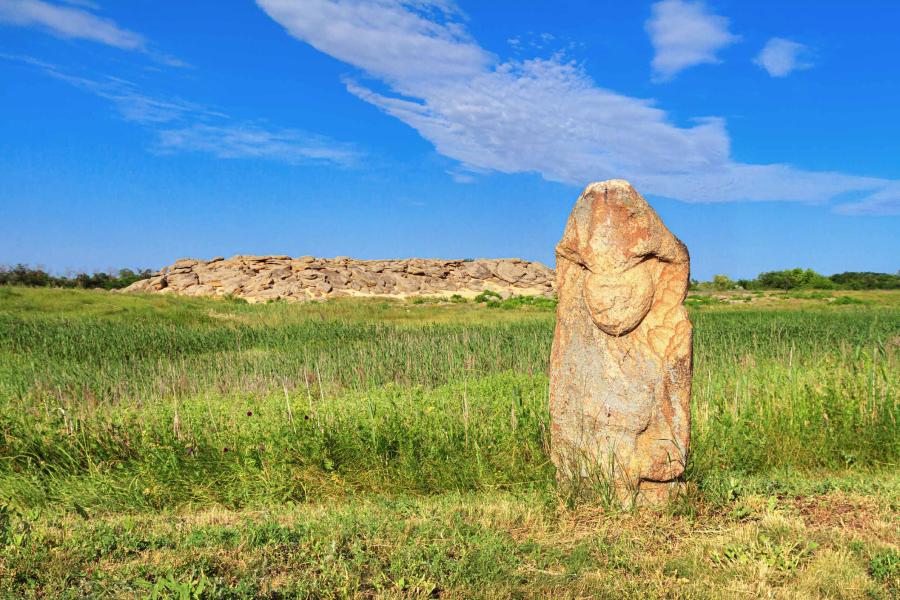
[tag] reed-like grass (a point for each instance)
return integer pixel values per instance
(135, 403)
(162, 447)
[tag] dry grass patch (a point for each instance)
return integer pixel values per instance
(843, 511)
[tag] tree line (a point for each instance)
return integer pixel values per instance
(808, 279)
(36, 277)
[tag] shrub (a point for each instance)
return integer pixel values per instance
(700, 300)
(847, 300)
(527, 301)
(488, 296)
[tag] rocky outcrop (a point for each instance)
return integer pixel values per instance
(620, 367)
(264, 278)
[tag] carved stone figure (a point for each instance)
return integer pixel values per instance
(620, 369)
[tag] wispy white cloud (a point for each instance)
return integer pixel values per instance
(685, 33)
(69, 22)
(780, 57)
(461, 176)
(242, 140)
(183, 126)
(130, 101)
(83, 3)
(885, 201)
(74, 20)
(541, 115)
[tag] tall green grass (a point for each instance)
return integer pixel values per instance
(150, 403)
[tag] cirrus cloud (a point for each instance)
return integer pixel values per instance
(247, 140)
(180, 125)
(69, 22)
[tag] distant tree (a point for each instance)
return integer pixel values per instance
(794, 278)
(783, 280)
(723, 282)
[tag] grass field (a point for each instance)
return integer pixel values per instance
(173, 447)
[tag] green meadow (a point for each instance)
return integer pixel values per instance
(155, 446)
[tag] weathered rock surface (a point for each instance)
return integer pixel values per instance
(264, 278)
(620, 368)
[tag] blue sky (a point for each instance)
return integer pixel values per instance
(135, 133)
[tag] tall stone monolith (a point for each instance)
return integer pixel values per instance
(620, 369)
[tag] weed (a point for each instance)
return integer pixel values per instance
(192, 586)
(884, 567)
(781, 555)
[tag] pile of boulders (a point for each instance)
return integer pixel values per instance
(264, 278)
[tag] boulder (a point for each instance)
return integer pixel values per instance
(282, 273)
(476, 269)
(510, 272)
(179, 281)
(184, 262)
(232, 286)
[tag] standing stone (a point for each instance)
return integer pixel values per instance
(620, 368)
